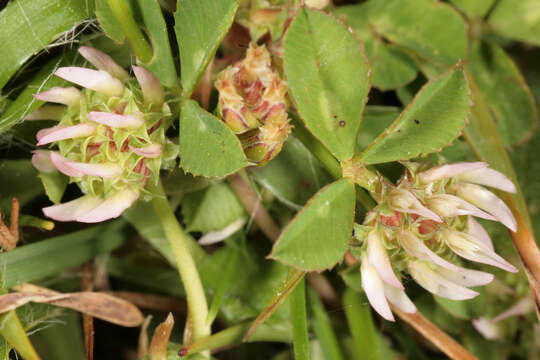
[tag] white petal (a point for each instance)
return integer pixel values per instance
(61, 132)
(150, 151)
(47, 112)
(78, 169)
(399, 299)
(470, 248)
(415, 247)
(404, 201)
(487, 328)
(373, 287)
(379, 258)
(449, 206)
(445, 171)
(436, 284)
(220, 235)
(466, 277)
(489, 177)
(476, 230)
(111, 208)
(151, 87)
(103, 62)
(115, 120)
(68, 96)
(97, 80)
(71, 210)
(522, 307)
(487, 201)
(41, 159)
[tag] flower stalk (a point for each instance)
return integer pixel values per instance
(196, 299)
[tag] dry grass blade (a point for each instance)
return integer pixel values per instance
(142, 347)
(254, 207)
(99, 305)
(438, 337)
(158, 345)
(528, 251)
(88, 321)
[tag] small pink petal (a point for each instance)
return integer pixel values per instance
(436, 284)
(47, 112)
(152, 90)
(97, 80)
(489, 177)
(486, 201)
(68, 96)
(468, 247)
(404, 201)
(111, 208)
(61, 132)
(475, 229)
(115, 120)
(416, 247)
(522, 307)
(71, 210)
(373, 287)
(466, 277)
(41, 159)
(449, 206)
(379, 259)
(103, 62)
(399, 299)
(447, 171)
(150, 151)
(487, 328)
(78, 169)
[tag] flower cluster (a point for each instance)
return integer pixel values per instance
(252, 102)
(110, 137)
(423, 225)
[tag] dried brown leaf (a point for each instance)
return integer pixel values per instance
(160, 340)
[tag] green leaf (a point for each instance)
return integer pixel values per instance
(19, 179)
(508, 96)
(391, 66)
(299, 322)
(434, 119)
(319, 235)
(417, 25)
(51, 256)
(358, 313)
(376, 120)
(294, 176)
(200, 26)
(162, 64)
(207, 146)
(473, 8)
(328, 77)
(27, 26)
(55, 184)
(211, 209)
(518, 20)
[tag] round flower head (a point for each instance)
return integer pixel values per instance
(110, 138)
(425, 225)
(252, 103)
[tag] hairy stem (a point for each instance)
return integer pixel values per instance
(196, 299)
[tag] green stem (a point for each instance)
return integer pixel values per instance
(299, 322)
(12, 330)
(196, 299)
(134, 35)
(328, 160)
